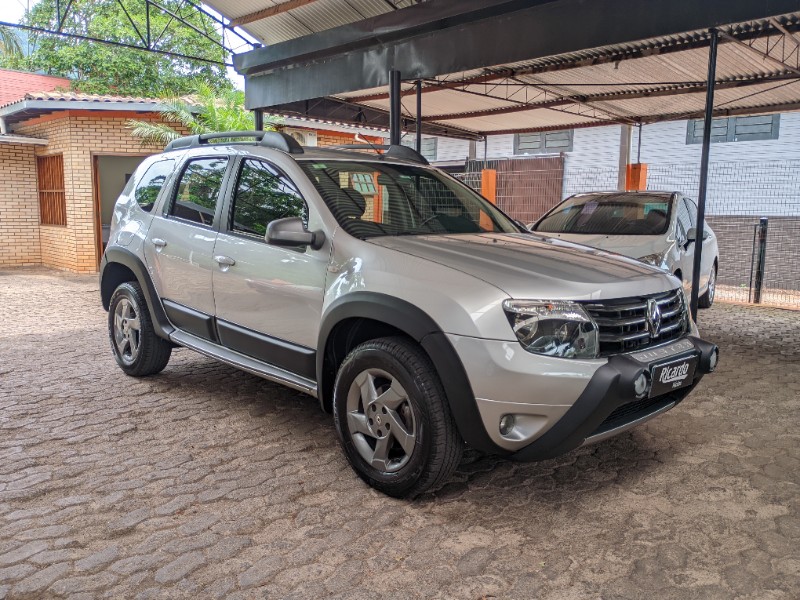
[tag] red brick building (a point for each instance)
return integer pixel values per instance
(64, 158)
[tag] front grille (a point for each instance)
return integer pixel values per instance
(623, 323)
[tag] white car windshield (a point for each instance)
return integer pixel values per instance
(371, 199)
(611, 214)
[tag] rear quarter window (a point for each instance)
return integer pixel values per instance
(149, 185)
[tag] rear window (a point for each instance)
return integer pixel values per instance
(623, 214)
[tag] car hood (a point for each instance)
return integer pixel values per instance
(531, 266)
(635, 246)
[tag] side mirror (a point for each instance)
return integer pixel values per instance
(691, 236)
(291, 232)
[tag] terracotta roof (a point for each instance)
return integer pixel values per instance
(68, 96)
(57, 97)
(14, 85)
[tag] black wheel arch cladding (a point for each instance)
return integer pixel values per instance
(420, 327)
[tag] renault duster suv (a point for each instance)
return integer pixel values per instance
(417, 313)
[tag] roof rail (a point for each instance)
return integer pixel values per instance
(269, 139)
(392, 151)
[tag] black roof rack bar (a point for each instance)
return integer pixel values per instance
(269, 139)
(392, 151)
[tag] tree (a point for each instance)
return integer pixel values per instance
(106, 69)
(206, 111)
(9, 44)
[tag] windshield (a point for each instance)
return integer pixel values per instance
(623, 214)
(371, 199)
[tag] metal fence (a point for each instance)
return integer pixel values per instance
(753, 208)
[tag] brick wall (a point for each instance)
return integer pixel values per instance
(78, 135)
(19, 207)
(735, 241)
(335, 138)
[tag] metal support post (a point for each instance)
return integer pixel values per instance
(761, 259)
(258, 118)
(624, 155)
(394, 107)
(419, 115)
(701, 195)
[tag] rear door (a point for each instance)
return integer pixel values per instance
(180, 244)
(268, 298)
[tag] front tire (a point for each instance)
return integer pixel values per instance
(136, 347)
(393, 419)
(707, 299)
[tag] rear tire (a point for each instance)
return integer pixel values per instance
(707, 299)
(137, 348)
(393, 419)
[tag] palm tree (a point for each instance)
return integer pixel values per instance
(9, 43)
(206, 111)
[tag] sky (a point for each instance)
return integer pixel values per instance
(11, 11)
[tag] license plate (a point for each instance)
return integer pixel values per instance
(672, 375)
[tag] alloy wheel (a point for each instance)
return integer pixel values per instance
(381, 420)
(712, 284)
(127, 330)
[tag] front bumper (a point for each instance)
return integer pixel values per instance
(551, 421)
(608, 405)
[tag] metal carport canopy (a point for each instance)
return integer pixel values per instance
(503, 66)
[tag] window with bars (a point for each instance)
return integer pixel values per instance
(543, 142)
(428, 149)
(52, 202)
(736, 129)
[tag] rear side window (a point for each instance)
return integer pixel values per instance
(198, 190)
(151, 183)
(262, 196)
(685, 221)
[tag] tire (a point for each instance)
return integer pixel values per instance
(138, 352)
(402, 440)
(707, 299)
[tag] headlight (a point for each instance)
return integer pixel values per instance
(656, 260)
(553, 327)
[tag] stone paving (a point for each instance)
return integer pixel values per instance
(206, 482)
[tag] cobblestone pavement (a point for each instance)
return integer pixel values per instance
(207, 482)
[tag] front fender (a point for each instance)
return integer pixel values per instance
(419, 326)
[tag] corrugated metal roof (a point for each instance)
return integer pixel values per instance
(312, 17)
(597, 85)
(612, 83)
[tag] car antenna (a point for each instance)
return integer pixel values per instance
(358, 138)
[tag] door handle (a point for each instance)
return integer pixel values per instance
(224, 261)
(159, 243)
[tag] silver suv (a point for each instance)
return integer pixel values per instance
(417, 313)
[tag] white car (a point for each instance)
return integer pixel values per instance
(657, 228)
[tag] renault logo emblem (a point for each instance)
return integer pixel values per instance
(653, 318)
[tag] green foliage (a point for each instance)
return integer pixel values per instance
(263, 196)
(9, 44)
(206, 111)
(105, 69)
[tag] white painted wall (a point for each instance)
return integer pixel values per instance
(593, 164)
(451, 150)
(745, 178)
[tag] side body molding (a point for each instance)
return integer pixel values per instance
(418, 325)
(109, 280)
